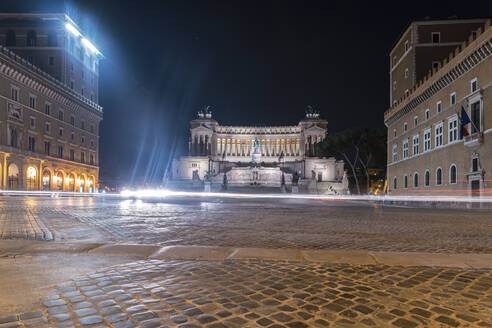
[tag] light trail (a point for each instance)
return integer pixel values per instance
(169, 194)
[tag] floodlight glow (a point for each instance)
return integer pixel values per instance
(89, 45)
(72, 29)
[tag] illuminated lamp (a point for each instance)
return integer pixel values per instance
(89, 45)
(72, 29)
(31, 172)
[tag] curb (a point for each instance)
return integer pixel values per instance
(211, 253)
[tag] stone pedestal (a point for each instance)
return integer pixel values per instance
(207, 186)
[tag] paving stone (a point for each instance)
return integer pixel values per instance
(448, 321)
(141, 316)
(110, 310)
(31, 315)
(116, 317)
(85, 321)
(124, 324)
(85, 312)
(404, 323)
(12, 324)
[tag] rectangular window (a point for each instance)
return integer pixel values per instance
(73, 136)
(14, 95)
(71, 85)
(436, 37)
(405, 149)
(60, 132)
(427, 140)
(474, 85)
(47, 147)
(51, 60)
(394, 133)
(406, 73)
(82, 125)
(32, 123)
(405, 127)
(439, 106)
(91, 159)
(60, 115)
(48, 128)
(32, 143)
(32, 101)
(72, 120)
(416, 144)
(438, 135)
(476, 117)
(72, 154)
(427, 114)
(453, 129)
(395, 153)
(452, 98)
(415, 121)
(47, 109)
(82, 91)
(82, 157)
(60, 151)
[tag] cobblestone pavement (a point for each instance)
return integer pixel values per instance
(20, 223)
(185, 294)
(266, 223)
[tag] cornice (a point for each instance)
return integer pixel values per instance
(473, 53)
(23, 72)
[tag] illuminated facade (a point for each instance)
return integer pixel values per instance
(259, 156)
(426, 154)
(49, 112)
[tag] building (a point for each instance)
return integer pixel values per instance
(422, 47)
(260, 156)
(49, 125)
(426, 153)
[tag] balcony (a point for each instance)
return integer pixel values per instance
(475, 139)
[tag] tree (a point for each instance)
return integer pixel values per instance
(360, 148)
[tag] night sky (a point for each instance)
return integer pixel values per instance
(254, 62)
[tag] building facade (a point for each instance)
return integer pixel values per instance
(49, 124)
(426, 153)
(422, 47)
(259, 156)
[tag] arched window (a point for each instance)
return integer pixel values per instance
(395, 183)
(59, 181)
(11, 39)
(416, 180)
(52, 41)
(439, 176)
(46, 180)
(427, 178)
(31, 178)
(13, 177)
(452, 174)
(31, 39)
(71, 182)
(405, 181)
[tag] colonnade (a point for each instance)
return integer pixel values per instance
(200, 145)
(267, 147)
